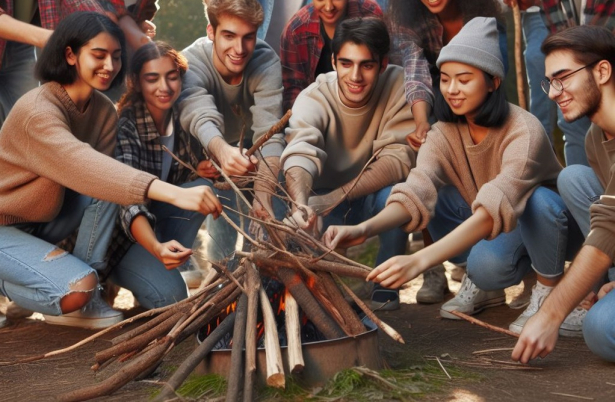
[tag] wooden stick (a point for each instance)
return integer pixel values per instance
(352, 323)
(235, 379)
(275, 367)
(519, 55)
(277, 128)
(293, 334)
(253, 284)
(483, 324)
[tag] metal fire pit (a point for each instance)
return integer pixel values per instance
(322, 358)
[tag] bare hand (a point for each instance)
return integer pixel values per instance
(232, 161)
(206, 169)
(344, 236)
(417, 138)
(606, 288)
(537, 339)
(304, 217)
(172, 254)
(148, 28)
(396, 271)
(201, 199)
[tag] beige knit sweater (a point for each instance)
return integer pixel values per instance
(498, 174)
(47, 145)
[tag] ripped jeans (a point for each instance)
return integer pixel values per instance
(33, 271)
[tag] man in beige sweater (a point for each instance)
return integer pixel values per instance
(579, 77)
(351, 119)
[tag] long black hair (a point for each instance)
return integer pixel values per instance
(75, 31)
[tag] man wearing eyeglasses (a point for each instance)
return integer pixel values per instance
(580, 79)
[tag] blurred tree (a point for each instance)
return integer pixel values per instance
(180, 22)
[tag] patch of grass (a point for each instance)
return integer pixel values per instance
(367, 256)
(201, 386)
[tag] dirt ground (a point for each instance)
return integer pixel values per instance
(571, 373)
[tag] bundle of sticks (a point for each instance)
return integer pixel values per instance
(311, 274)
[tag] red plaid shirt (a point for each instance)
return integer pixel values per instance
(302, 43)
(558, 14)
(53, 11)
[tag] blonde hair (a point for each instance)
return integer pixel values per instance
(247, 10)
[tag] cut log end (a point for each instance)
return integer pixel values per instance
(277, 380)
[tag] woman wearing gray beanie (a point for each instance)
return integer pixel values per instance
(484, 185)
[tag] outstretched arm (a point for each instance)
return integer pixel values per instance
(18, 31)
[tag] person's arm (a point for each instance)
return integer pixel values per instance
(540, 333)
(421, 111)
(135, 36)
(299, 185)
(265, 186)
(172, 254)
(402, 268)
(18, 31)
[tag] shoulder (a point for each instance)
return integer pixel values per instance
(264, 58)
(299, 21)
(198, 51)
(522, 121)
(321, 94)
(364, 8)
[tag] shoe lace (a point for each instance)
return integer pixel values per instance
(536, 299)
(468, 289)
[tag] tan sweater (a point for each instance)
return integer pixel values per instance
(601, 157)
(498, 174)
(47, 145)
(334, 142)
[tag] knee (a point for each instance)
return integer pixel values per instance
(599, 331)
(171, 292)
(81, 292)
(569, 179)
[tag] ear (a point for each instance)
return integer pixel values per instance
(210, 32)
(603, 72)
(333, 62)
(71, 58)
(383, 64)
(497, 81)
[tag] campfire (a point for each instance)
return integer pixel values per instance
(309, 289)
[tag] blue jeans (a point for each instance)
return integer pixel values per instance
(545, 236)
(392, 242)
(16, 75)
(599, 327)
(580, 188)
(534, 33)
(33, 271)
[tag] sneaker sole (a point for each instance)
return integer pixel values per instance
(498, 301)
(94, 323)
(570, 333)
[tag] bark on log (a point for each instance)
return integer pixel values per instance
(235, 376)
(177, 379)
(293, 334)
(519, 55)
(278, 127)
(352, 323)
(273, 353)
(309, 305)
(252, 287)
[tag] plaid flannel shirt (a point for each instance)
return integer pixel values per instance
(144, 10)
(417, 49)
(558, 14)
(138, 145)
(301, 45)
(53, 11)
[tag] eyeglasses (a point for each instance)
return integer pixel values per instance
(558, 83)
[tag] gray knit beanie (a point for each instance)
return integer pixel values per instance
(478, 45)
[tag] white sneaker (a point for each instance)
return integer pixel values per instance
(94, 315)
(573, 324)
(539, 294)
(471, 300)
(2, 320)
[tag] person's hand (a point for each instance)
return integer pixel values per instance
(172, 254)
(344, 236)
(206, 169)
(231, 160)
(148, 28)
(417, 138)
(304, 217)
(201, 199)
(396, 271)
(537, 339)
(606, 288)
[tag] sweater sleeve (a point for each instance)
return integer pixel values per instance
(53, 152)
(602, 218)
(417, 83)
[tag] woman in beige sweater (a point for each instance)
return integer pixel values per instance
(54, 159)
(485, 178)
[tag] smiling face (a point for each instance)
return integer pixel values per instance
(581, 95)
(357, 74)
(160, 84)
(436, 6)
(97, 63)
(330, 12)
(234, 42)
(464, 88)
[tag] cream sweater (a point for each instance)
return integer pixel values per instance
(47, 145)
(498, 174)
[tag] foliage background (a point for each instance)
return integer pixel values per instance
(180, 22)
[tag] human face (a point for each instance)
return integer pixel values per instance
(464, 88)
(234, 42)
(330, 12)
(357, 74)
(435, 6)
(580, 95)
(160, 84)
(97, 63)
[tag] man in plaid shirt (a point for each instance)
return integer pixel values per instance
(26, 24)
